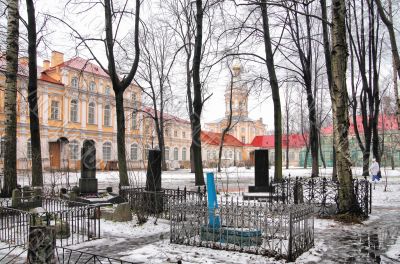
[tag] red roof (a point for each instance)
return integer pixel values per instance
(212, 138)
(167, 117)
(295, 141)
(385, 122)
(81, 64)
(46, 78)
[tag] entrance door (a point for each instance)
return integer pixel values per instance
(54, 151)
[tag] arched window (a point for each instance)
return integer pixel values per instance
(107, 91)
(107, 115)
(176, 153)
(134, 101)
(107, 151)
(134, 120)
(2, 147)
(91, 114)
(74, 150)
(166, 153)
(184, 153)
(146, 151)
(74, 82)
(92, 86)
(134, 151)
(74, 110)
(29, 149)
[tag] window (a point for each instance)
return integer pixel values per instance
(134, 151)
(183, 134)
(74, 111)
(92, 86)
(230, 154)
(175, 133)
(184, 154)
(243, 129)
(166, 153)
(55, 110)
(134, 120)
(29, 149)
(175, 153)
(166, 132)
(214, 154)
(2, 148)
(107, 91)
(107, 115)
(74, 82)
(243, 139)
(134, 100)
(208, 154)
(107, 151)
(74, 150)
(91, 113)
(146, 152)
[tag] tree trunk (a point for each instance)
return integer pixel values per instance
(321, 153)
(328, 64)
(37, 174)
(197, 99)
(123, 173)
(10, 102)
(306, 158)
(273, 81)
(347, 199)
(287, 144)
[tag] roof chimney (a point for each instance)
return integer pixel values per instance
(56, 58)
(23, 60)
(46, 65)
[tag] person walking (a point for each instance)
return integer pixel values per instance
(374, 170)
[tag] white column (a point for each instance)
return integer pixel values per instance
(65, 110)
(83, 111)
(45, 114)
(99, 116)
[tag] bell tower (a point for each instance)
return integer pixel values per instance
(239, 93)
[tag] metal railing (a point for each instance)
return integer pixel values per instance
(276, 230)
(136, 197)
(321, 192)
(75, 222)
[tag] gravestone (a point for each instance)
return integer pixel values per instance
(261, 172)
(153, 194)
(88, 181)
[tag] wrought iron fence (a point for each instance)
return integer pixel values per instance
(321, 192)
(17, 254)
(75, 222)
(136, 197)
(272, 229)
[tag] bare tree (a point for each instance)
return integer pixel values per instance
(157, 60)
(114, 15)
(10, 103)
(37, 174)
(365, 49)
(287, 95)
(347, 198)
(387, 19)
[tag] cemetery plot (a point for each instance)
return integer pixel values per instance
(278, 230)
(74, 222)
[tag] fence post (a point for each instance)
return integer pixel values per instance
(290, 248)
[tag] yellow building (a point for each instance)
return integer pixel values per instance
(76, 102)
(243, 128)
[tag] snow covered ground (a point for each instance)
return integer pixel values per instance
(376, 240)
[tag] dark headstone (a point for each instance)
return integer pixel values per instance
(153, 176)
(261, 172)
(153, 195)
(88, 181)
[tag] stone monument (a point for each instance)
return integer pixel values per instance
(153, 193)
(261, 172)
(88, 181)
